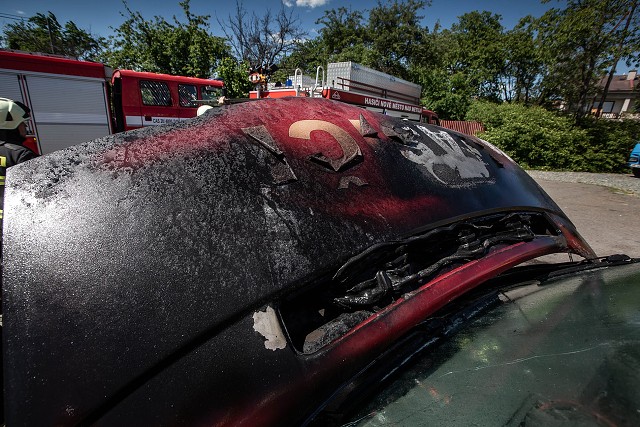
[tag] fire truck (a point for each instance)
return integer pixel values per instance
(354, 84)
(74, 101)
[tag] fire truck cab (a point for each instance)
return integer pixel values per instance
(148, 99)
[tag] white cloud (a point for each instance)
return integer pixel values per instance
(305, 3)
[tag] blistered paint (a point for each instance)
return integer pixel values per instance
(266, 324)
(466, 160)
(285, 243)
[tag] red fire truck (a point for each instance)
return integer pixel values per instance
(359, 85)
(74, 101)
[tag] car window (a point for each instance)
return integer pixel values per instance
(568, 351)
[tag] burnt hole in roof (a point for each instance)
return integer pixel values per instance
(372, 280)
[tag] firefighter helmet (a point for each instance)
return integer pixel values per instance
(12, 113)
(202, 109)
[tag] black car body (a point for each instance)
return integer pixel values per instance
(251, 266)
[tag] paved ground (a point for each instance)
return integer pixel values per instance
(625, 183)
(604, 207)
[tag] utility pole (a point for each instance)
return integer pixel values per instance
(616, 58)
(50, 35)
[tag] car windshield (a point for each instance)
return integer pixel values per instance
(566, 352)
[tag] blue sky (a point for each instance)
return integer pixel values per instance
(97, 17)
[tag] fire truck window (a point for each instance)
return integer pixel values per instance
(188, 95)
(155, 93)
(210, 93)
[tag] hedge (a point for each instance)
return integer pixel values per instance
(541, 139)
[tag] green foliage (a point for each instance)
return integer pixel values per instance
(578, 44)
(43, 33)
(341, 30)
(447, 94)
(390, 39)
(358, 53)
(464, 63)
(608, 145)
(180, 48)
(235, 77)
(532, 136)
(540, 139)
(307, 56)
(487, 113)
(395, 35)
(481, 53)
(523, 64)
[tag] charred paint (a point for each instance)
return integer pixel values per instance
(134, 263)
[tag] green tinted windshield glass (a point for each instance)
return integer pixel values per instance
(566, 353)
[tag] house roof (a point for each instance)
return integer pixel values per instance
(621, 83)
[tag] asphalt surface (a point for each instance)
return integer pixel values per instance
(604, 207)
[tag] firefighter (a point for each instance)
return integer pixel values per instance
(13, 132)
(203, 109)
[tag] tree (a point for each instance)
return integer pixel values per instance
(481, 52)
(342, 37)
(342, 30)
(523, 65)
(629, 42)
(455, 66)
(181, 48)
(448, 94)
(43, 33)
(389, 40)
(264, 40)
(579, 44)
(307, 55)
(235, 77)
(396, 36)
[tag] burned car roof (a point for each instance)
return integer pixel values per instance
(241, 265)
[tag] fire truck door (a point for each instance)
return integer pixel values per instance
(67, 111)
(12, 87)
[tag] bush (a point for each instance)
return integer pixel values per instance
(540, 139)
(609, 144)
